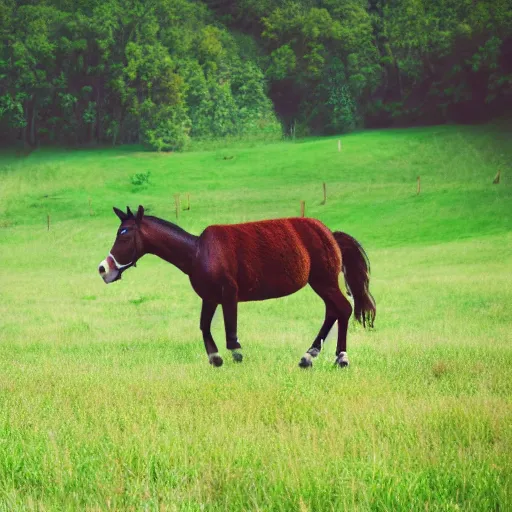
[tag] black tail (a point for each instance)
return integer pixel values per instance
(356, 268)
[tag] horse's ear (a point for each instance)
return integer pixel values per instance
(122, 216)
(140, 214)
(129, 212)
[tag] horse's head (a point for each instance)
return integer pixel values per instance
(127, 248)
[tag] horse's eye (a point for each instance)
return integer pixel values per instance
(123, 231)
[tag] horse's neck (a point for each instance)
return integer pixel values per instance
(173, 245)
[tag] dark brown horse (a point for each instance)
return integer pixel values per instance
(228, 264)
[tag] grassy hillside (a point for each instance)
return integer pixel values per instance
(106, 397)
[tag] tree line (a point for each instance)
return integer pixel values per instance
(161, 71)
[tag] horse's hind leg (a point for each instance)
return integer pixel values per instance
(341, 311)
(230, 310)
(344, 311)
(316, 347)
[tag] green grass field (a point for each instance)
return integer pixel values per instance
(107, 401)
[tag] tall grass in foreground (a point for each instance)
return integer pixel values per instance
(106, 397)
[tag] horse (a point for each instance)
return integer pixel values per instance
(233, 263)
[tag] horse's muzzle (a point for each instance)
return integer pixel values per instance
(109, 272)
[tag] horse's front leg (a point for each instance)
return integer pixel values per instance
(230, 310)
(207, 312)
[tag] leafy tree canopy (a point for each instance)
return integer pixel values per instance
(162, 71)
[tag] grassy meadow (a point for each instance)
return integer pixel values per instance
(107, 401)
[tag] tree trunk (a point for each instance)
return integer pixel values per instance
(33, 133)
(24, 130)
(399, 79)
(29, 130)
(98, 117)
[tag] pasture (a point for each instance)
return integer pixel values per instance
(107, 400)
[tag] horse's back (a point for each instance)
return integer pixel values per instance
(267, 259)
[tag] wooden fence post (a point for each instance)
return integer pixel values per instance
(302, 208)
(177, 205)
(48, 221)
(497, 178)
(325, 193)
(339, 145)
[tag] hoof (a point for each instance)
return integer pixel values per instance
(306, 362)
(216, 360)
(342, 360)
(307, 358)
(237, 356)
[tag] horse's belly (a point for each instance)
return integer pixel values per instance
(274, 279)
(268, 292)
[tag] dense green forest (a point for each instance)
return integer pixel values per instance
(161, 71)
